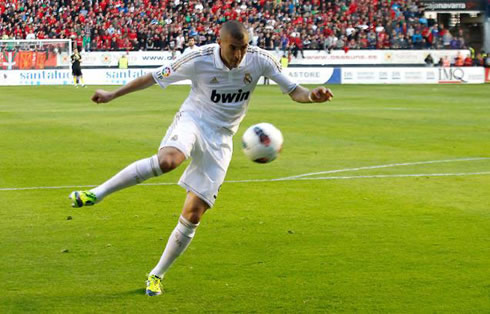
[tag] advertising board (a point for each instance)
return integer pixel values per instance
(413, 75)
(301, 75)
(311, 57)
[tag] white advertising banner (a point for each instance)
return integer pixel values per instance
(35, 77)
(314, 75)
(64, 77)
(135, 58)
(472, 75)
(307, 75)
(418, 75)
(312, 57)
(304, 75)
(372, 57)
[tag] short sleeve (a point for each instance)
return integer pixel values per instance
(273, 70)
(179, 70)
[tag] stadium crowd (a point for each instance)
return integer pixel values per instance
(287, 25)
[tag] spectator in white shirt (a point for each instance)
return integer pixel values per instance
(191, 46)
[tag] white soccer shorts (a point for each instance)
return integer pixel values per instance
(210, 148)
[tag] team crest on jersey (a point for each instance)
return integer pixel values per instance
(164, 73)
(247, 79)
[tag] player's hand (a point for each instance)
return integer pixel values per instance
(102, 96)
(321, 94)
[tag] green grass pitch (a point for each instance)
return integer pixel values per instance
(412, 235)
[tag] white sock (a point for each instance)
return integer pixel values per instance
(133, 174)
(178, 241)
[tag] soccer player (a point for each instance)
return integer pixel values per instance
(223, 77)
(76, 69)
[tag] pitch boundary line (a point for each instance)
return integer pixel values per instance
(363, 177)
(387, 166)
(306, 176)
(274, 180)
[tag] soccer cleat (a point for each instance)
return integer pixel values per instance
(153, 285)
(82, 198)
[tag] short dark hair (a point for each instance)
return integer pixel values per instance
(235, 29)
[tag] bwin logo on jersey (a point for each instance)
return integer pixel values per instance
(229, 97)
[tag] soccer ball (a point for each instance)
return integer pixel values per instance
(262, 142)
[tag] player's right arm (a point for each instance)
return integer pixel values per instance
(180, 69)
(142, 82)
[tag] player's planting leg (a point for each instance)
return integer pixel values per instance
(178, 241)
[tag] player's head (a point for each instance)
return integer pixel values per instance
(75, 50)
(233, 41)
(191, 42)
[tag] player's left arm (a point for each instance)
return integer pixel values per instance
(273, 70)
(304, 95)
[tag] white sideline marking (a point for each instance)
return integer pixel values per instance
(274, 180)
(364, 177)
(398, 176)
(386, 166)
(48, 187)
(304, 177)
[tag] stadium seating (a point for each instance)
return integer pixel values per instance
(281, 25)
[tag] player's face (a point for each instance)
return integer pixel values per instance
(233, 50)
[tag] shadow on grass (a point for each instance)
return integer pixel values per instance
(139, 291)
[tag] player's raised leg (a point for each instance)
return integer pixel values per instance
(168, 158)
(179, 240)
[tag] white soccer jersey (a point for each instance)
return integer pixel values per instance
(189, 49)
(220, 96)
